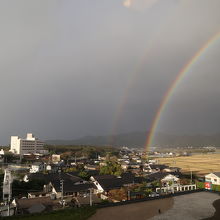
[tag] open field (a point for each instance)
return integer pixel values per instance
(199, 164)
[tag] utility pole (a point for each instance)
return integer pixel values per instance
(9, 198)
(90, 197)
(191, 177)
(61, 187)
(129, 195)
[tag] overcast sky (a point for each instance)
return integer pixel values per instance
(72, 68)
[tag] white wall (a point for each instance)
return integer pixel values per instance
(26, 146)
(15, 144)
(212, 178)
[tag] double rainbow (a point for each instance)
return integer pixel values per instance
(174, 85)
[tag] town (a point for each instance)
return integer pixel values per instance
(38, 178)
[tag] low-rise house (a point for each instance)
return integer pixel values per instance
(102, 163)
(54, 182)
(139, 161)
(105, 183)
(1, 158)
(170, 179)
(213, 178)
(147, 169)
(124, 166)
(69, 188)
(32, 195)
(37, 167)
(157, 167)
(165, 178)
(134, 165)
(125, 157)
(55, 158)
(91, 167)
(172, 169)
(2, 152)
(35, 205)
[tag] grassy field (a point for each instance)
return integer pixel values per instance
(67, 214)
(198, 164)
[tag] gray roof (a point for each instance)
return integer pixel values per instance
(217, 174)
(36, 208)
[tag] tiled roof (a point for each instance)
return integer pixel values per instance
(27, 203)
(161, 175)
(54, 177)
(158, 166)
(69, 186)
(109, 182)
(217, 174)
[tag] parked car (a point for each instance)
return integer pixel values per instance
(154, 194)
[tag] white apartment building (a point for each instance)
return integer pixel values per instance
(30, 145)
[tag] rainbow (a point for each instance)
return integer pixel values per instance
(134, 74)
(174, 85)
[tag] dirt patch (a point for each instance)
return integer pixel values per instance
(135, 211)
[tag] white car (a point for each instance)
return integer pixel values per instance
(154, 194)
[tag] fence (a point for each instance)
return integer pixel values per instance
(176, 188)
(104, 205)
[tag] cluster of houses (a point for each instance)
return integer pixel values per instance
(76, 191)
(69, 189)
(63, 186)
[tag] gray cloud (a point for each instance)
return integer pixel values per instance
(65, 66)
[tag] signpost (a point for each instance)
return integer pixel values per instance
(208, 185)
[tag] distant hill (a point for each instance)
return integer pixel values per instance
(138, 139)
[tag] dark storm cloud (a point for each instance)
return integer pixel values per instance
(65, 66)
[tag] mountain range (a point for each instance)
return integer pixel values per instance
(138, 140)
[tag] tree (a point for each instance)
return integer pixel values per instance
(200, 185)
(118, 194)
(156, 183)
(111, 168)
(22, 188)
(84, 175)
(216, 188)
(70, 169)
(8, 157)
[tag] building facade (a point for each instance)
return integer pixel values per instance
(213, 178)
(30, 145)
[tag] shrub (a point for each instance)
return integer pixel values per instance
(216, 188)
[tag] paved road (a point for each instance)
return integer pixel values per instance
(135, 211)
(193, 206)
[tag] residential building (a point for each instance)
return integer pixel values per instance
(37, 167)
(7, 185)
(105, 183)
(30, 145)
(213, 178)
(165, 178)
(55, 158)
(56, 182)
